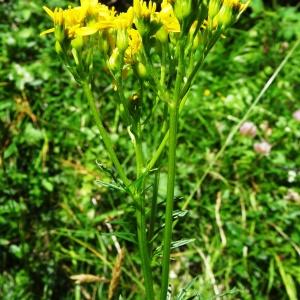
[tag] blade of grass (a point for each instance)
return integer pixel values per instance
(287, 280)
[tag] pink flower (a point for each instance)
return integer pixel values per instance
(248, 129)
(296, 115)
(263, 148)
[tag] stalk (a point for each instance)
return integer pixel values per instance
(173, 124)
(141, 220)
(104, 134)
(139, 198)
(153, 210)
(170, 201)
(143, 247)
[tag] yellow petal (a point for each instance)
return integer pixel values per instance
(47, 31)
(49, 12)
(83, 31)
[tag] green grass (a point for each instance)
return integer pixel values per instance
(242, 220)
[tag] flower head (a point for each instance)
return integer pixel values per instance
(296, 115)
(142, 10)
(167, 17)
(134, 45)
(263, 148)
(248, 129)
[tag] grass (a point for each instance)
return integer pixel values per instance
(241, 229)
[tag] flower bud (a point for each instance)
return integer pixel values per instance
(296, 115)
(77, 43)
(162, 35)
(58, 47)
(225, 15)
(122, 39)
(183, 9)
(265, 127)
(141, 70)
(103, 44)
(113, 60)
(263, 148)
(213, 8)
(58, 16)
(59, 33)
(75, 55)
(196, 41)
(248, 129)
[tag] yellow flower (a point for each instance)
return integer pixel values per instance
(99, 15)
(124, 20)
(86, 19)
(89, 5)
(142, 10)
(56, 16)
(134, 45)
(167, 17)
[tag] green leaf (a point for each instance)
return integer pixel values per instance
(287, 280)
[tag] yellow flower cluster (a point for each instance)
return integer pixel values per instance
(123, 34)
(92, 17)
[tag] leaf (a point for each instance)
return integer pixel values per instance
(122, 235)
(6, 104)
(10, 150)
(174, 245)
(287, 280)
(257, 6)
(109, 185)
(32, 135)
(184, 291)
(47, 185)
(179, 214)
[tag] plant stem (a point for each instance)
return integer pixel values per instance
(153, 210)
(173, 124)
(139, 198)
(104, 134)
(182, 100)
(141, 217)
(156, 155)
(170, 201)
(143, 246)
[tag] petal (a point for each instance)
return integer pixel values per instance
(49, 12)
(83, 31)
(47, 31)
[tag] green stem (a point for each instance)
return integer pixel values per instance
(141, 218)
(153, 210)
(182, 101)
(139, 199)
(169, 202)
(173, 124)
(143, 246)
(104, 134)
(156, 155)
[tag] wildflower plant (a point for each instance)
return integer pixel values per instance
(151, 53)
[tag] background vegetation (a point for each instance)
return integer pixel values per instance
(56, 221)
